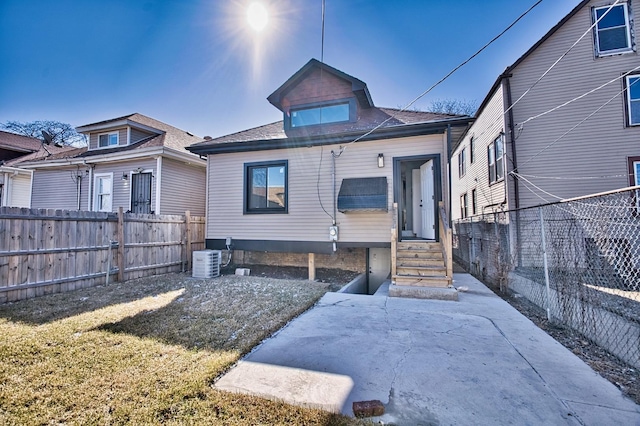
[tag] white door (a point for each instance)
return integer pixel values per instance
(428, 230)
(416, 201)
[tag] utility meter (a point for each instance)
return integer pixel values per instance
(333, 233)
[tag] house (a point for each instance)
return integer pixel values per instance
(562, 121)
(15, 183)
(134, 162)
(325, 179)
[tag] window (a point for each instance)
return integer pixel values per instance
(634, 178)
(633, 99)
(472, 150)
(102, 187)
(461, 163)
(107, 139)
(496, 163)
(474, 202)
(320, 115)
(463, 206)
(265, 187)
(612, 32)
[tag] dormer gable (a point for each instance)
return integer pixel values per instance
(319, 94)
(118, 132)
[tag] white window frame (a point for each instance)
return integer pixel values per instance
(627, 24)
(109, 134)
(96, 196)
(462, 167)
(464, 206)
(498, 162)
(628, 96)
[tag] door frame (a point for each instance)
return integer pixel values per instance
(131, 173)
(437, 183)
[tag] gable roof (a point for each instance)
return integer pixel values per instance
(19, 143)
(358, 87)
(273, 136)
(507, 72)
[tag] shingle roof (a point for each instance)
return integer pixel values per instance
(46, 152)
(374, 117)
(19, 143)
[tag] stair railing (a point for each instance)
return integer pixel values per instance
(394, 241)
(446, 240)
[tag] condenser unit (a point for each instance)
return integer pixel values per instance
(206, 263)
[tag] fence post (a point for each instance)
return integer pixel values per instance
(544, 262)
(187, 220)
(120, 244)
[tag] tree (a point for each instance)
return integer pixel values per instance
(454, 106)
(62, 134)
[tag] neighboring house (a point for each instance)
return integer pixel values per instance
(329, 172)
(535, 142)
(133, 162)
(15, 183)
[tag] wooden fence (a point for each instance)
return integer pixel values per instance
(50, 251)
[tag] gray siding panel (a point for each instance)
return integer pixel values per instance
(57, 189)
(138, 135)
(310, 191)
(183, 188)
(593, 157)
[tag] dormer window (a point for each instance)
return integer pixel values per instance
(310, 115)
(108, 139)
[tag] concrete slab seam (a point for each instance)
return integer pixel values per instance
(546, 385)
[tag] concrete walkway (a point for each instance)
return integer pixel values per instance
(475, 361)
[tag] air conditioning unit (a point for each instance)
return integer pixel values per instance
(206, 263)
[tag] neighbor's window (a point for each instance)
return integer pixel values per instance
(472, 150)
(496, 163)
(108, 139)
(463, 206)
(474, 202)
(322, 114)
(266, 187)
(633, 99)
(103, 188)
(612, 32)
(461, 163)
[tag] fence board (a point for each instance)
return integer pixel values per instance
(47, 251)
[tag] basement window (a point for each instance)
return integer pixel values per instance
(363, 195)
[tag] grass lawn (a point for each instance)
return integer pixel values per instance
(146, 352)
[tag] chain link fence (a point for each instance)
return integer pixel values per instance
(577, 259)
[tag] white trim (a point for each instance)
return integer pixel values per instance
(95, 201)
(627, 25)
(628, 89)
(158, 183)
(119, 123)
(109, 134)
(130, 180)
(90, 195)
(128, 135)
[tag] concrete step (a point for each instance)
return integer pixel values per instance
(422, 281)
(412, 261)
(417, 292)
(422, 270)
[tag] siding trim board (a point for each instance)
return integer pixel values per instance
(289, 246)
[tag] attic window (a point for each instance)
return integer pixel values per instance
(612, 32)
(314, 114)
(363, 194)
(107, 139)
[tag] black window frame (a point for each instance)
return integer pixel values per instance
(462, 168)
(628, 31)
(628, 100)
(352, 112)
(472, 149)
(464, 206)
(247, 183)
(474, 202)
(498, 163)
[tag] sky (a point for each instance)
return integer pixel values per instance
(198, 65)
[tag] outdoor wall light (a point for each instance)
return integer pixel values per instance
(380, 160)
(125, 176)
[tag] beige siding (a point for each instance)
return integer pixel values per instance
(306, 220)
(20, 191)
(121, 191)
(183, 188)
(57, 189)
(122, 137)
(562, 167)
(488, 126)
(138, 135)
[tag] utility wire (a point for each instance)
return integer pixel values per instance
(443, 78)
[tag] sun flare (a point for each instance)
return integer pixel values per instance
(257, 16)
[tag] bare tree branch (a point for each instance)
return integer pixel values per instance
(62, 134)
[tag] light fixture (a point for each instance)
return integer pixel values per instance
(380, 160)
(125, 176)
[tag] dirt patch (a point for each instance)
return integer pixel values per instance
(336, 278)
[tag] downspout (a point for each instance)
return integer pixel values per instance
(158, 182)
(449, 173)
(90, 197)
(516, 192)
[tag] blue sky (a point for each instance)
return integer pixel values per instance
(196, 65)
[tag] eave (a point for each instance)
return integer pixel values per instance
(401, 131)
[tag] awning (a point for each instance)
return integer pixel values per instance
(363, 194)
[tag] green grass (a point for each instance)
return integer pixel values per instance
(146, 352)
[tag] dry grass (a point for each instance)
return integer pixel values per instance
(146, 352)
